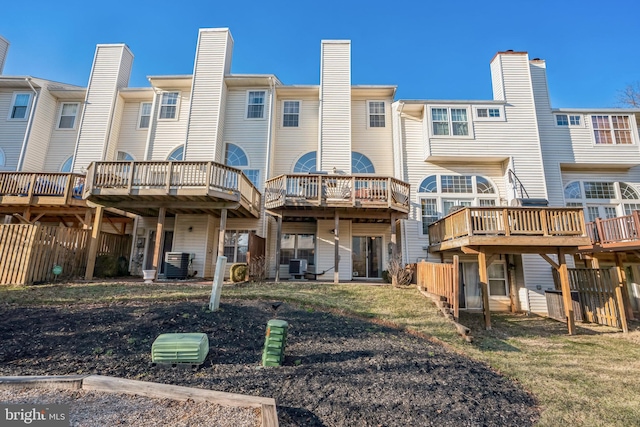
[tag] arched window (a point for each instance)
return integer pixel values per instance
(236, 157)
(2, 157)
(66, 166)
(602, 199)
(306, 163)
(361, 164)
(441, 194)
(177, 154)
(123, 156)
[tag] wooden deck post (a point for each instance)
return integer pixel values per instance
(394, 239)
(622, 279)
(93, 243)
(222, 231)
(336, 243)
(566, 292)
(484, 285)
(278, 245)
(456, 287)
(157, 250)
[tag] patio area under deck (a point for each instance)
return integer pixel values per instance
(170, 188)
(490, 231)
(359, 198)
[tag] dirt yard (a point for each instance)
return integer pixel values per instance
(339, 371)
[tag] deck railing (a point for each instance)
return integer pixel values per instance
(614, 230)
(515, 221)
(336, 189)
(26, 185)
(171, 176)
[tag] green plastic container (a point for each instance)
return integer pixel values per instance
(189, 348)
(274, 343)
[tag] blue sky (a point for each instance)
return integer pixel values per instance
(429, 49)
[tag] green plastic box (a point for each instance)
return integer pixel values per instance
(274, 343)
(189, 348)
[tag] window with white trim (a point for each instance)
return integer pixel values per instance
(66, 165)
(376, 114)
(3, 159)
(306, 163)
(68, 113)
(177, 154)
(237, 158)
(236, 245)
(439, 195)
(144, 118)
(290, 114)
(169, 106)
(571, 120)
(488, 113)
(20, 106)
(497, 273)
(123, 156)
(255, 104)
(602, 199)
(612, 129)
(449, 121)
(298, 246)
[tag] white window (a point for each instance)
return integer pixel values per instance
(376, 114)
(19, 106)
(66, 166)
(571, 120)
(236, 157)
(2, 157)
(145, 115)
(255, 104)
(497, 273)
(602, 199)
(68, 113)
(177, 154)
(236, 245)
(123, 156)
(612, 129)
(169, 106)
(297, 246)
(489, 113)
(290, 114)
(440, 195)
(449, 121)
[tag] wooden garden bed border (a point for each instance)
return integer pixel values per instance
(149, 389)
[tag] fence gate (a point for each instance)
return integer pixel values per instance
(442, 280)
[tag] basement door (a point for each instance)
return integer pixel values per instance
(469, 293)
(367, 256)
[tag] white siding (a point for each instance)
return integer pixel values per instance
(131, 139)
(293, 228)
(62, 142)
(114, 132)
(375, 230)
(335, 106)
(326, 250)
(4, 49)
(12, 133)
(194, 241)
(43, 119)
(166, 135)
(111, 70)
(213, 57)
(375, 143)
(496, 78)
(250, 135)
(290, 143)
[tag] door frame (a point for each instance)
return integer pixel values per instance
(382, 260)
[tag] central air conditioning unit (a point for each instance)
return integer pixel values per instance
(176, 265)
(297, 267)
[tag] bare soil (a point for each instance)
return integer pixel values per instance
(339, 370)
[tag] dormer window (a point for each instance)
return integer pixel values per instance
(568, 120)
(612, 129)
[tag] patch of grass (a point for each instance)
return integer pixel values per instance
(586, 380)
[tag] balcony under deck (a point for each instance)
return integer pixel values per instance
(363, 198)
(181, 187)
(509, 230)
(620, 234)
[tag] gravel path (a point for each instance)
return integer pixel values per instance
(339, 371)
(112, 409)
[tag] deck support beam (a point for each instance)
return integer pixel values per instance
(484, 286)
(278, 245)
(622, 279)
(157, 250)
(566, 292)
(394, 239)
(336, 243)
(93, 243)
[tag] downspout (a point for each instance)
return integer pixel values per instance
(267, 167)
(29, 124)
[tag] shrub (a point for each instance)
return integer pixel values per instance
(238, 272)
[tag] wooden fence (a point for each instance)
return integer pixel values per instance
(28, 253)
(600, 295)
(442, 280)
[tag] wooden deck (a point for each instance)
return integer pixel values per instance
(614, 234)
(23, 189)
(179, 187)
(347, 192)
(522, 229)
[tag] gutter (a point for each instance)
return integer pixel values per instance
(34, 103)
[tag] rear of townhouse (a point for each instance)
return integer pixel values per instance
(336, 165)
